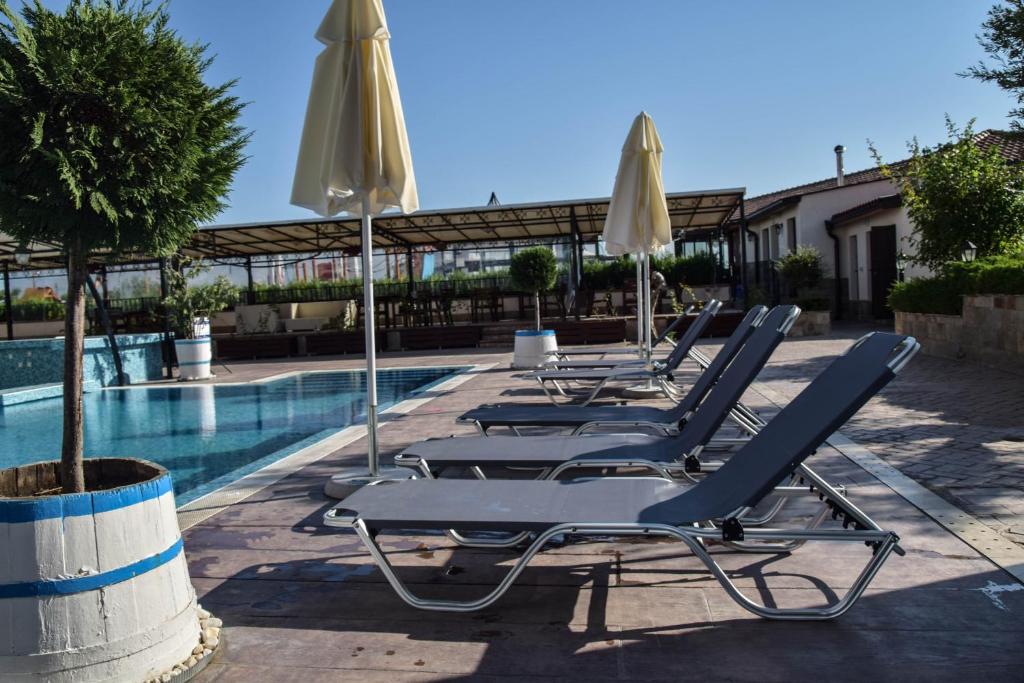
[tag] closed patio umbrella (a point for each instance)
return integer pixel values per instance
(638, 221)
(354, 155)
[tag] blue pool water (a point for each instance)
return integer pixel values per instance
(210, 435)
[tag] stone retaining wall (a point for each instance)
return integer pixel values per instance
(812, 324)
(990, 331)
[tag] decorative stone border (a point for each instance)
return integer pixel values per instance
(210, 640)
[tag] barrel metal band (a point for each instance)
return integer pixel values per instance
(17, 510)
(91, 582)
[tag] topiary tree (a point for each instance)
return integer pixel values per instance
(533, 270)
(112, 144)
(957, 193)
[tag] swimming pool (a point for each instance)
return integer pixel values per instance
(210, 435)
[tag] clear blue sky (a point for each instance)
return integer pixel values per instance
(533, 98)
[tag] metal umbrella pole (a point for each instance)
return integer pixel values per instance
(640, 307)
(369, 323)
(648, 313)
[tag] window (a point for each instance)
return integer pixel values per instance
(854, 270)
(791, 234)
(765, 255)
(774, 251)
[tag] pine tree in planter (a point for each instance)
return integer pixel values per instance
(112, 145)
(533, 270)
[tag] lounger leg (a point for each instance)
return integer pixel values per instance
(883, 542)
(449, 605)
(884, 547)
(594, 392)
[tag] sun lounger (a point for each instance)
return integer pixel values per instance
(583, 418)
(667, 455)
(644, 507)
(660, 374)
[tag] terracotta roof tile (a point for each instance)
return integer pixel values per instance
(1010, 144)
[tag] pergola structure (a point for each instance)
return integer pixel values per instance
(570, 221)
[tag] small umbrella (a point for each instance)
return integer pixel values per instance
(638, 221)
(354, 154)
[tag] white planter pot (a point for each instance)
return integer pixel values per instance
(533, 348)
(96, 586)
(194, 355)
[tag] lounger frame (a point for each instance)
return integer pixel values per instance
(731, 533)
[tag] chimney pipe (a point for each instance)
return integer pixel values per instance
(840, 173)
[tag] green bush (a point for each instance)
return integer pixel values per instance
(927, 295)
(611, 274)
(944, 293)
(802, 268)
(698, 269)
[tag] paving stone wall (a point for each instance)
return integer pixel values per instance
(990, 331)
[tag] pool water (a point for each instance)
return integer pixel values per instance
(210, 435)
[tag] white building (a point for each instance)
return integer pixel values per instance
(855, 220)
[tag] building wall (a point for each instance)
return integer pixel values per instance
(817, 208)
(769, 223)
(860, 230)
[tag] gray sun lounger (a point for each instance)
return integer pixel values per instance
(563, 354)
(646, 507)
(583, 418)
(596, 380)
(667, 455)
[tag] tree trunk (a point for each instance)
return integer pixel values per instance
(536, 303)
(108, 329)
(72, 474)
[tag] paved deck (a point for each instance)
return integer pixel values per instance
(304, 603)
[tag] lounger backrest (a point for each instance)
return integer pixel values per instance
(803, 425)
(672, 327)
(691, 335)
(743, 370)
(718, 364)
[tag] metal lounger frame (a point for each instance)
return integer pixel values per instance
(865, 530)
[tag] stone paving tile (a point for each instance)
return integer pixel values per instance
(304, 603)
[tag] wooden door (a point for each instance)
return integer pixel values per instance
(883, 268)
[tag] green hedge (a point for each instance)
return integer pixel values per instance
(682, 270)
(944, 293)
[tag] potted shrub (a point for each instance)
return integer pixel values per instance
(112, 144)
(802, 272)
(190, 308)
(533, 270)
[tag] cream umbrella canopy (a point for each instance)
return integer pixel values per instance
(354, 153)
(638, 221)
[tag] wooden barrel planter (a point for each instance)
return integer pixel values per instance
(94, 586)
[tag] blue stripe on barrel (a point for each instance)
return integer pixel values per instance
(15, 510)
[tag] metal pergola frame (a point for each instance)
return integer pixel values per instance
(568, 222)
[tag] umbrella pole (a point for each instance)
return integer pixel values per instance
(369, 322)
(640, 306)
(644, 321)
(648, 308)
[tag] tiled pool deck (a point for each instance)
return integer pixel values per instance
(304, 603)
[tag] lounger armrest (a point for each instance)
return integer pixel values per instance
(340, 517)
(664, 428)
